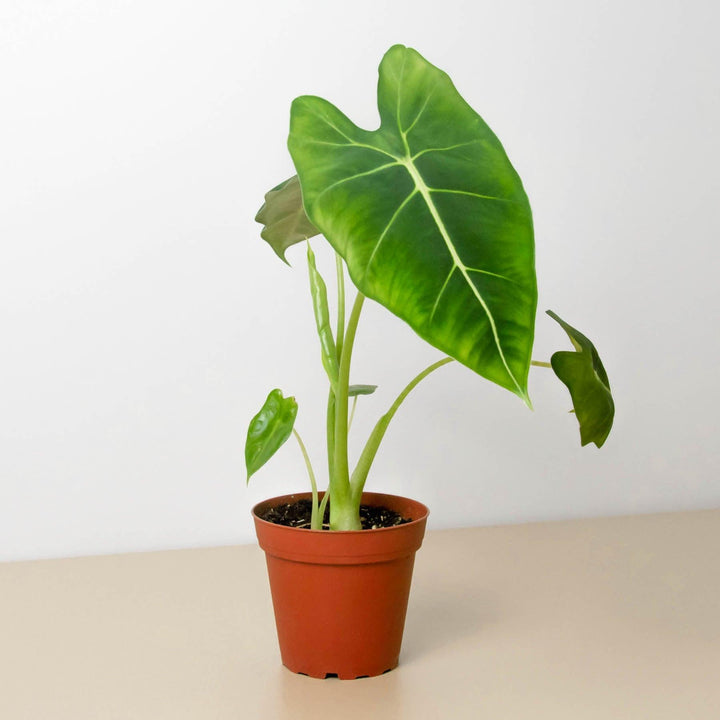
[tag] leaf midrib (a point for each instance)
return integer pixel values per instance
(423, 189)
(420, 186)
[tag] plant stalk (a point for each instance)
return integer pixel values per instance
(352, 413)
(340, 334)
(540, 363)
(315, 518)
(330, 432)
(321, 511)
(367, 456)
(343, 509)
(339, 338)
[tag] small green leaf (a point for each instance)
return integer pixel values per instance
(355, 390)
(583, 373)
(268, 430)
(318, 290)
(284, 218)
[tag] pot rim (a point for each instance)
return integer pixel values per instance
(378, 497)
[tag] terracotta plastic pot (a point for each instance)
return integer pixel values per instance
(340, 597)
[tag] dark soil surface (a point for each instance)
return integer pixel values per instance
(298, 514)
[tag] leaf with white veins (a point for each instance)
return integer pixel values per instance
(428, 213)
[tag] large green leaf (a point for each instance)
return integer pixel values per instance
(284, 219)
(428, 213)
(583, 373)
(268, 430)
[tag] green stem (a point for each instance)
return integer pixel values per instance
(340, 334)
(343, 511)
(362, 469)
(323, 504)
(339, 339)
(352, 413)
(314, 524)
(539, 363)
(330, 432)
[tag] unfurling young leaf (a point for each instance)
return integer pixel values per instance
(268, 430)
(583, 373)
(318, 290)
(284, 219)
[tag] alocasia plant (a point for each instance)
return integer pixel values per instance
(431, 220)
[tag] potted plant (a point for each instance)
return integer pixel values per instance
(427, 217)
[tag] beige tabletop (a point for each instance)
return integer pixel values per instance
(609, 619)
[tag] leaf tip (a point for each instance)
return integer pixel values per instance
(281, 255)
(260, 214)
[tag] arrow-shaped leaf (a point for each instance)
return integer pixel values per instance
(268, 430)
(428, 213)
(583, 373)
(284, 219)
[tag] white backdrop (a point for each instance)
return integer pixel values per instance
(143, 321)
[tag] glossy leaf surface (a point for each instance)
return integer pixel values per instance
(355, 390)
(284, 218)
(268, 430)
(428, 213)
(321, 310)
(583, 373)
